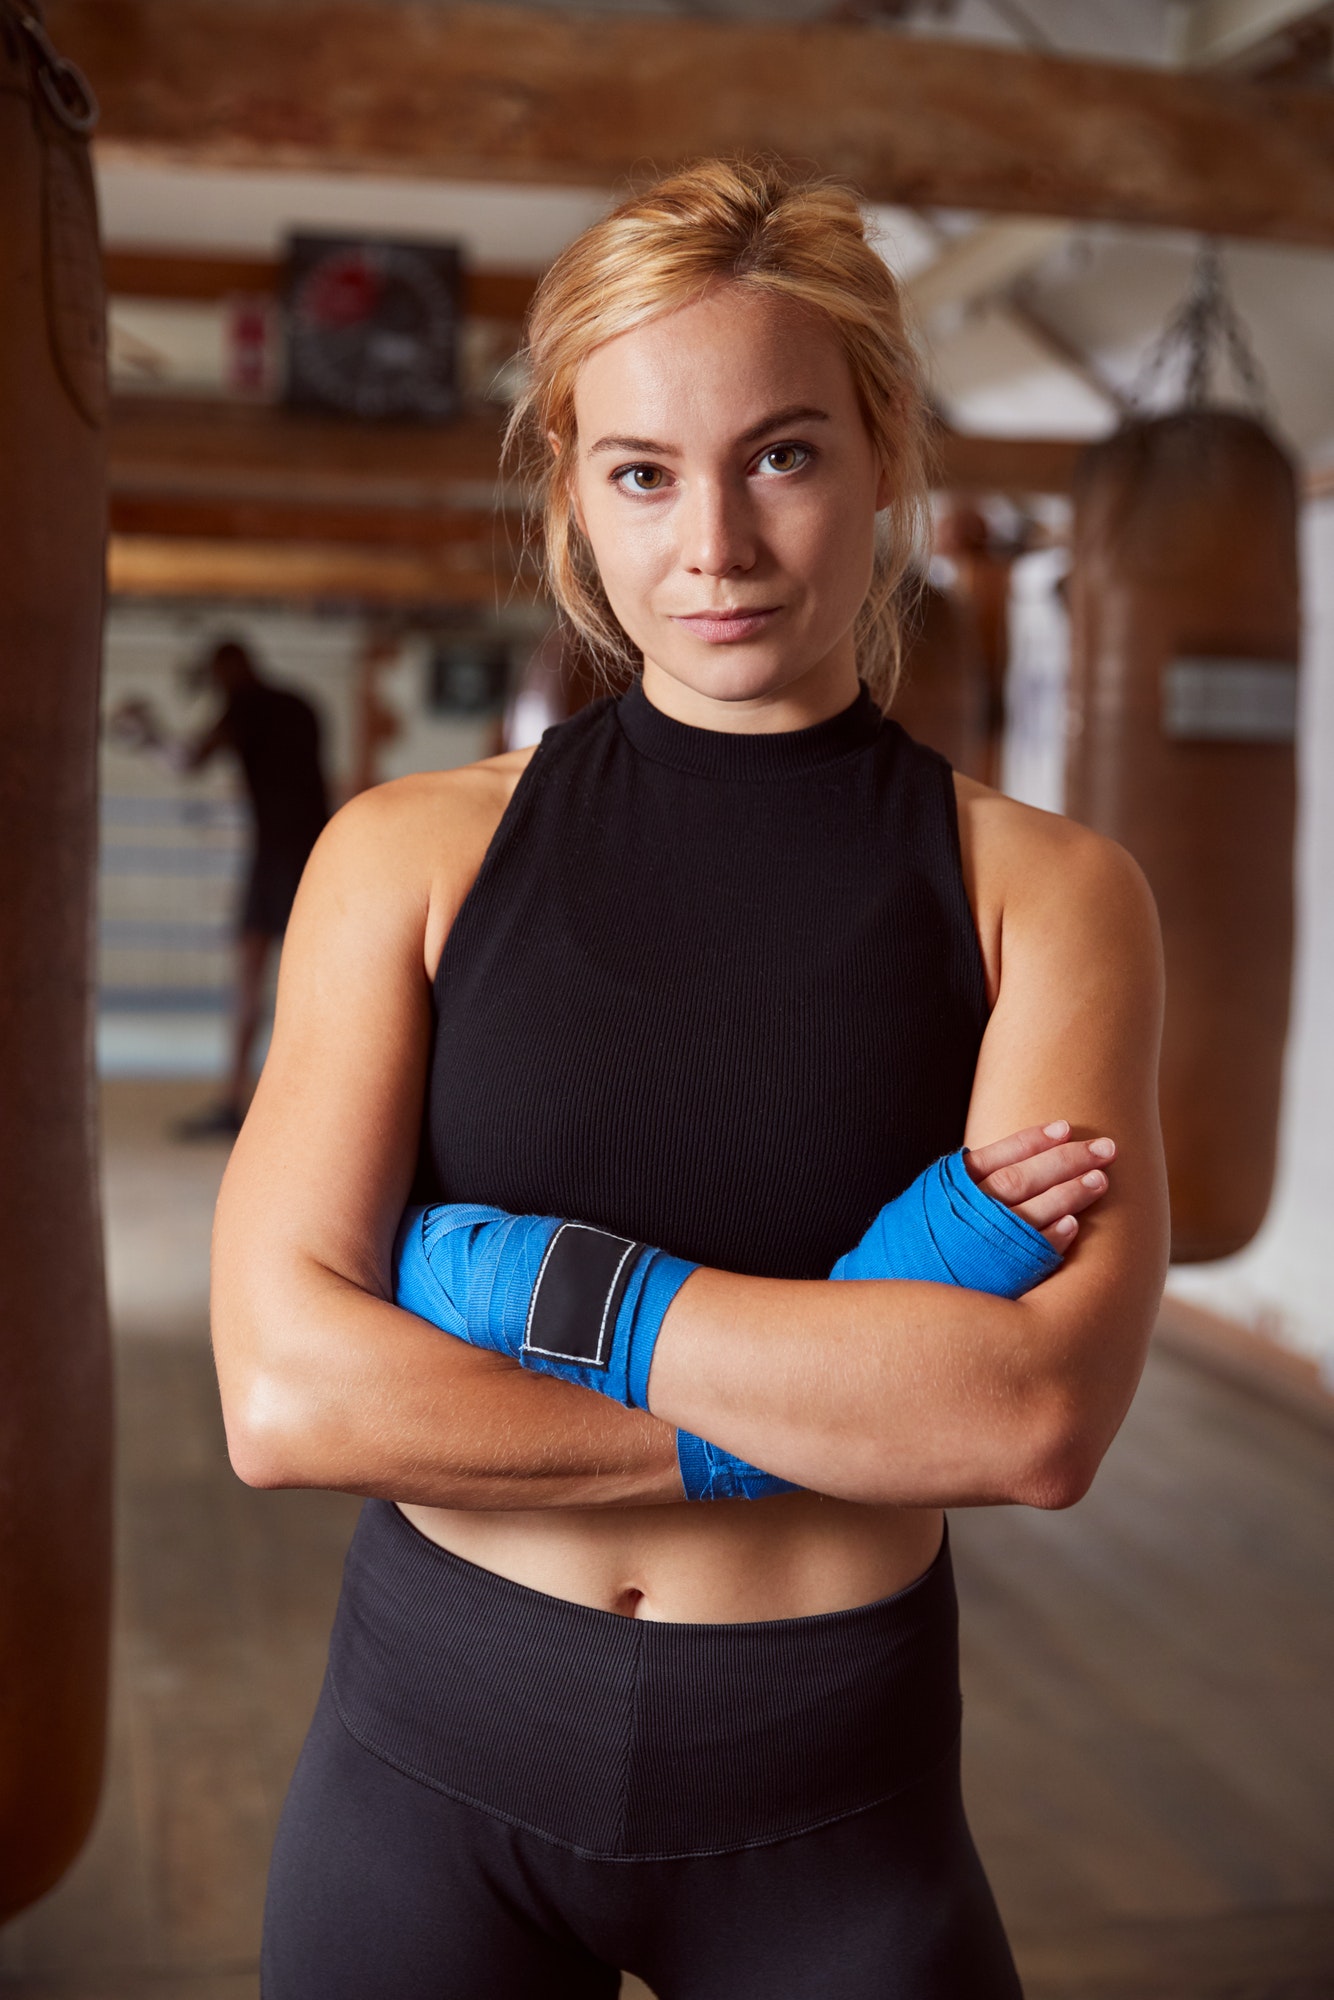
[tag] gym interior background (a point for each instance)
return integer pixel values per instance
(319, 226)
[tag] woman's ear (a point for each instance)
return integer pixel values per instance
(554, 441)
(884, 489)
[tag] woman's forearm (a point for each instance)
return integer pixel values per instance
(898, 1392)
(325, 1385)
(884, 1393)
(890, 1393)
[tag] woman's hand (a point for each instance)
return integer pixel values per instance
(1045, 1176)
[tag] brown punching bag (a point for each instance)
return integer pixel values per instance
(982, 582)
(55, 1403)
(1185, 625)
(944, 693)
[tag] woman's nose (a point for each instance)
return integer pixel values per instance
(717, 533)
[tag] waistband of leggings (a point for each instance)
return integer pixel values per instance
(630, 1738)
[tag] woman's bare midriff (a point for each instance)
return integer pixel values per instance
(794, 1555)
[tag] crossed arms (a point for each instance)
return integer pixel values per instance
(887, 1392)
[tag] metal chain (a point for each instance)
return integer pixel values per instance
(1206, 330)
(63, 84)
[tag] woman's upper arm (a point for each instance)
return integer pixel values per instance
(323, 1382)
(323, 1165)
(1071, 935)
(327, 1148)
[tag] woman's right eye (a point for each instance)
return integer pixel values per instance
(640, 478)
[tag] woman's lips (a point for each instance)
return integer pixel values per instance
(722, 628)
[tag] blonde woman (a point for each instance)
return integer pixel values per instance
(669, 1033)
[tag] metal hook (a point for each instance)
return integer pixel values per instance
(64, 85)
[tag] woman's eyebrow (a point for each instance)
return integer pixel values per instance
(798, 413)
(646, 445)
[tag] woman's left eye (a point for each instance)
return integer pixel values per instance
(785, 457)
(640, 478)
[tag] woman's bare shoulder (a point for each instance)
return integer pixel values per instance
(1025, 868)
(431, 821)
(416, 842)
(428, 803)
(1008, 838)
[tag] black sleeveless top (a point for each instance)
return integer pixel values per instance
(719, 993)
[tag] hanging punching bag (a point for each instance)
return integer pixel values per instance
(944, 693)
(1185, 624)
(981, 570)
(55, 1542)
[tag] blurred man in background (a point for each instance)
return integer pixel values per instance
(275, 736)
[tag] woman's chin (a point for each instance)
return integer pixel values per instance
(732, 673)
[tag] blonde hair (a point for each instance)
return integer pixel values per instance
(749, 223)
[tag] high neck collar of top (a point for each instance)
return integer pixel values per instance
(722, 753)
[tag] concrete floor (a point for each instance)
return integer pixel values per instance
(1149, 1739)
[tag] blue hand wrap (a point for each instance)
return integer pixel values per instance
(558, 1297)
(478, 1274)
(710, 1473)
(946, 1230)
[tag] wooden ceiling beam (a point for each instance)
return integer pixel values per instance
(208, 518)
(305, 573)
(499, 93)
(984, 261)
(200, 279)
(167, 446)
(966, 463)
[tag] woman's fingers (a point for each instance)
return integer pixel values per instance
(1070, 1198)
(983, 1160)
(1026, 1179)
(1045, 1176)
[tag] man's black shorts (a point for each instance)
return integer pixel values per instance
(271, 887)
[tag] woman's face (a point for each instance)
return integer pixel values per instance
(728, 487)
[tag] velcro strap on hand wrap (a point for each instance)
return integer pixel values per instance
(597, 1310)
(561, 1298)
(945, 1230)
(581, 1283)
